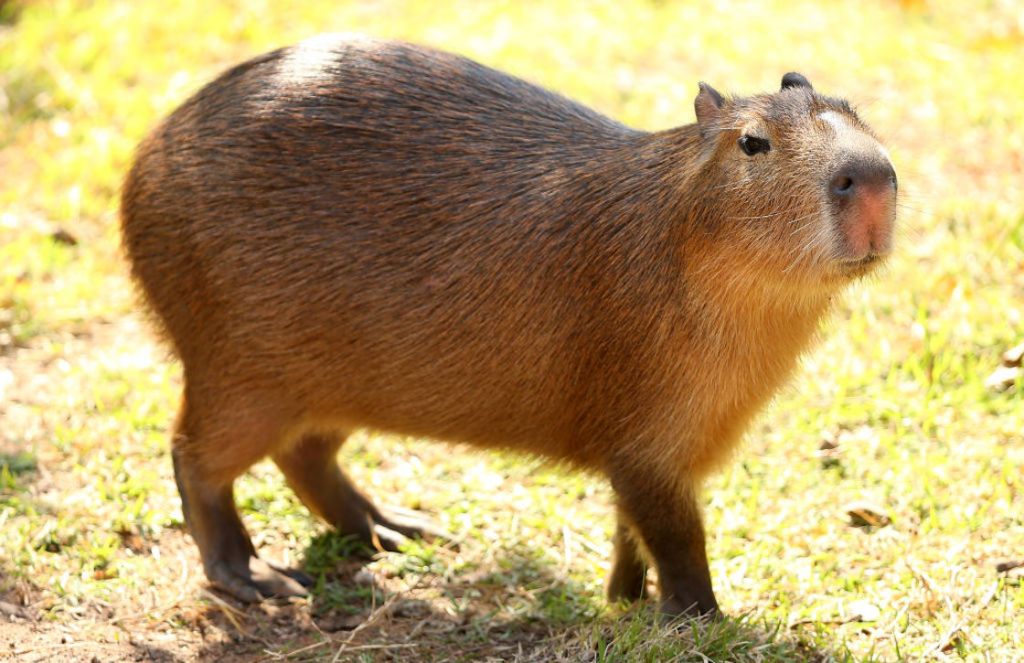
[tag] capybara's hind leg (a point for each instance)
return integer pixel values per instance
(209, 453)
(628, 578)
(311, 469)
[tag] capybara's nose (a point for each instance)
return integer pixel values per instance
(859, 175)
(863, 193)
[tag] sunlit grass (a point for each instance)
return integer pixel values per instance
(88, 510)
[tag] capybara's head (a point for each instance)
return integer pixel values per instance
(799, 184)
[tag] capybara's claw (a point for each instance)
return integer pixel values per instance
(256, 580)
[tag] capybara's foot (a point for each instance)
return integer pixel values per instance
(628, 578)
(253, 580)
(673, 608)
(312, 471)
(297, 575)
(627, 581)
(393, 526)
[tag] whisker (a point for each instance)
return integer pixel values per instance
(755, 218)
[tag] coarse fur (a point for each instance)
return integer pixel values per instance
(356, 233)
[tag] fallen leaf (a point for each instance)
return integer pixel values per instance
(62, 236)
(1013, 356)
(862, 611)
(1012, 570)
(829, 452)
(866, 514)
(953, 639)
(1006, 567)
(1003, 378)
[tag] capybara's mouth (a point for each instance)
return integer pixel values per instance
(860, 266)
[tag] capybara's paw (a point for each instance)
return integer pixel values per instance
(255, 580)
(297, 575)
(393, 525)
(386, 539)
(627, 582)
(673, 608)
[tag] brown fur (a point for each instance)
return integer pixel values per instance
(353, 233)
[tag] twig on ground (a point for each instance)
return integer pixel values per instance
(233, 614)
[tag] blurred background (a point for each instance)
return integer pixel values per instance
(875, 512)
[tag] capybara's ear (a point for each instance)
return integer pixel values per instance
(708, 105)
(793, 79)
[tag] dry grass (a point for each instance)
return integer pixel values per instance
(93, 558)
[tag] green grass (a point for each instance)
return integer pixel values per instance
(91, 534)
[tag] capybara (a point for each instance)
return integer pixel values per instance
(352, 233)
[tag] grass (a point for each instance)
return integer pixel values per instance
(93, 552)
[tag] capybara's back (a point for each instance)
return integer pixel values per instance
(386, 236)
(354, 233)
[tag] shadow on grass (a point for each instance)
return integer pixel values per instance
(520, 608)
(9, 10)
(14, 468)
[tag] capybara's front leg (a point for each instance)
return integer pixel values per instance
(665, 515)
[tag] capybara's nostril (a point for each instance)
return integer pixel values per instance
(860, 174)
(863, 194)
(842, 185)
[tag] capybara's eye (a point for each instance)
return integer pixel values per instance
(751, 145)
